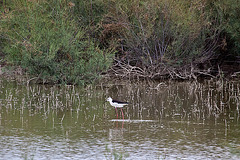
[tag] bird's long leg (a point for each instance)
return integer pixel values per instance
(122, 113)
(116, 112)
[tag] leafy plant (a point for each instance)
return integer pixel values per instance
(44, 38)
(157, 32)
(230, 9)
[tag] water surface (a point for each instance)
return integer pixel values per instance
(184, 120)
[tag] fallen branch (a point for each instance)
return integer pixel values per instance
(157, 72)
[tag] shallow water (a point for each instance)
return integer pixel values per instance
(187, 120)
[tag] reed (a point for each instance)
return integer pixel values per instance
(185, 101)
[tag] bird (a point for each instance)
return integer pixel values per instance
(117, 104)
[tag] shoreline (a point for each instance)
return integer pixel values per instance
(17, 73)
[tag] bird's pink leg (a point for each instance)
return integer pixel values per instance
(122, 114)
(116, 112)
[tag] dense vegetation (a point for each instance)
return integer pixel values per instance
(75, 41)
(46, 40)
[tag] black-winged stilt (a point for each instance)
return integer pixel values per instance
(117, 104)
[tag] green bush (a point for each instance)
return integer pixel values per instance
(160, 32)
(44, 38)
(89, 12)
(73, 41)
(230, 10)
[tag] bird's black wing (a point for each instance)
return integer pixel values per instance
(119, 102)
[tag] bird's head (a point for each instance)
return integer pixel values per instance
(109, 99)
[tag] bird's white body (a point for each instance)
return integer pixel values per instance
(116, 104)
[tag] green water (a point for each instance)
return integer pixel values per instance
(187, 120)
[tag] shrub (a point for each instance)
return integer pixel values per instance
(160, 32)
(230, 10)
(44, 38)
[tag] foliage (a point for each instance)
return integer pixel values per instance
(73, 41)
(230, 10)
(89, 12)
(161, 32)
(44, 38)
